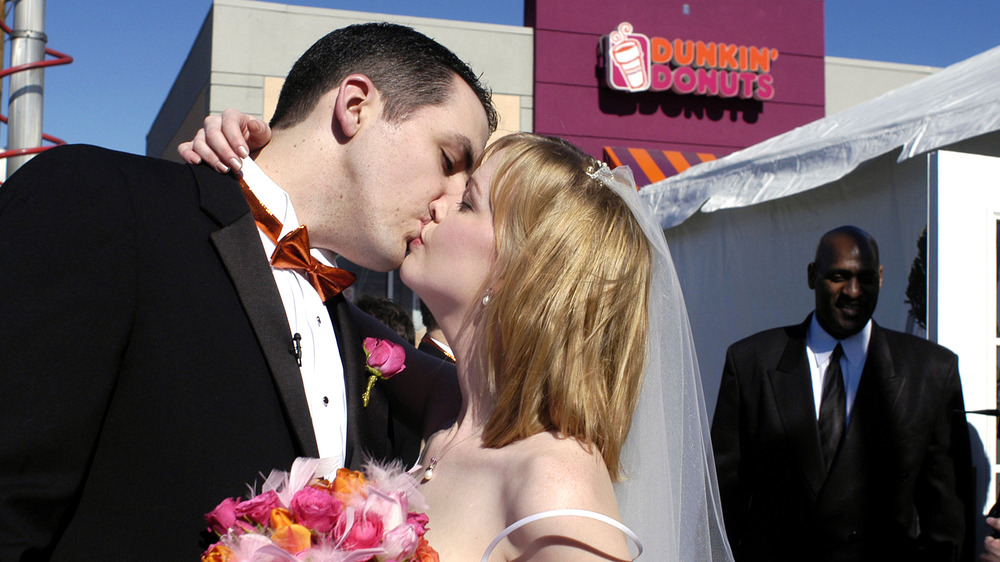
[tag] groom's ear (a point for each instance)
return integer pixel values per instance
(357, 100)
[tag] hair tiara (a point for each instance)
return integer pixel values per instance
(595, 168)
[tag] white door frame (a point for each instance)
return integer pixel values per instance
(964, 214)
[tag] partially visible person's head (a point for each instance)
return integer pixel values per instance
(846, 277)
(409, 70)
(427, 317)
(390, 313)
(563, 337)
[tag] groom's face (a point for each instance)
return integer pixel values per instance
(404, 166)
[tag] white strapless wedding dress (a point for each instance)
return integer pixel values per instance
(563, 513)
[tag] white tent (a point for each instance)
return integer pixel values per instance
(960, 102)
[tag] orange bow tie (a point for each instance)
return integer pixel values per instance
(292, 251)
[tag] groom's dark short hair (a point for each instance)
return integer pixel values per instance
(409, 69)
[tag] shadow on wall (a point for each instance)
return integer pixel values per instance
(615, 102)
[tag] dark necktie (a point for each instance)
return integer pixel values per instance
(832, 408)
(292, 251)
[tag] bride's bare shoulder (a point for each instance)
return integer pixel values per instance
(553, 472)
(548, 473)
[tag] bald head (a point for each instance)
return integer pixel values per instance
(857, 235)
(846, 277)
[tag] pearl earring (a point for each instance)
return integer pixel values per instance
(486, 299)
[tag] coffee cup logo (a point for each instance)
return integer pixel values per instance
(629, 68)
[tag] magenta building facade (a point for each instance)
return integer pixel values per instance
(662, 84)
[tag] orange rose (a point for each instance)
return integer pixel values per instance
(322, 484)
(281, 518)
(292, 538)
(425, 553)
(348, 483)
(218, 553)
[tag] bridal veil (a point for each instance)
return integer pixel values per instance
(670, 495)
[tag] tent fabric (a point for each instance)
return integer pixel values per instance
(651, 165)
(957, 103)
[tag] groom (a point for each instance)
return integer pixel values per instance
(153, 361)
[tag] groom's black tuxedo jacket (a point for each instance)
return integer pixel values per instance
(145, 359)
(899, 487)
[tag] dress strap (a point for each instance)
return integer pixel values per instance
(559, 513)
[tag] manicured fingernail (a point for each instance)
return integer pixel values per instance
(222, 168)
(235, 163)
(243, 152)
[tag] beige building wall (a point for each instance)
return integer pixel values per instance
(850, 82)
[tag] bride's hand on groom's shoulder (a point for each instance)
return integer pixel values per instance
(991, 545)
(224, 139)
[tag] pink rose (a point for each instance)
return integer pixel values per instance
(418, 521)
(401, 543)
(316, 509)
(258, 509)
(223, 517)
(385, 356)
(365, 533)
(389, 508)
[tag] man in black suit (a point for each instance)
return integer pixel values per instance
(837, 439)
(153, 360)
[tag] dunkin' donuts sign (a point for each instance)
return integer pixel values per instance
(638, 63)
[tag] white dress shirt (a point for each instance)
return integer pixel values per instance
(444, 347)
(321, 368)
(819, 348)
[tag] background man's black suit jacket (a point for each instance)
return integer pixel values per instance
(145, 357)
(900, 486)
(430, 348)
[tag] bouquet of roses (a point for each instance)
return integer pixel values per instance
(301, 516)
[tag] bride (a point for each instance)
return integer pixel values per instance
(540, 276)
(557, 292)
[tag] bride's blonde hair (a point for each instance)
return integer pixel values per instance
(563, 337)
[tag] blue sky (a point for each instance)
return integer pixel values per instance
(128, 52)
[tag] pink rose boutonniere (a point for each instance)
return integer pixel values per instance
(384, 360)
